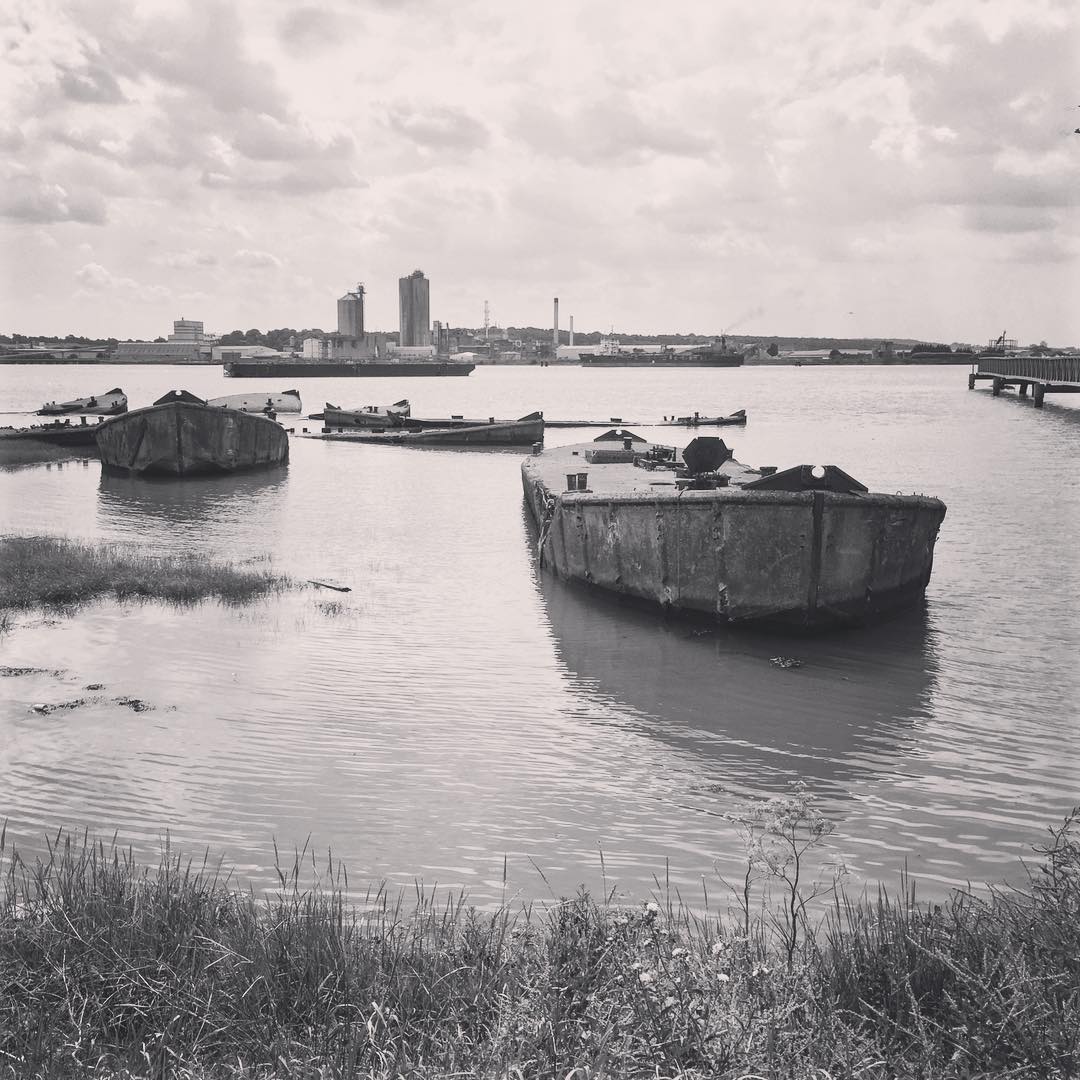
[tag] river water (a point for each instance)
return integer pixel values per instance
(461, 719)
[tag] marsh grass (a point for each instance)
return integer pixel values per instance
(59, 573)
(112, 968)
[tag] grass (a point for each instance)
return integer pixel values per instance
(56, 572)
(112, 968)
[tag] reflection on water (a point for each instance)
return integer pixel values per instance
(718, 694)
(192, 506)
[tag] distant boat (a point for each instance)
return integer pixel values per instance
(524, 432)
(180, 435)
(110, 403)
(370, 416)
(697, 420)
(287, 401)
(295, 367)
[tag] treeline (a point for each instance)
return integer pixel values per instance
(71, 339)
(281, 339)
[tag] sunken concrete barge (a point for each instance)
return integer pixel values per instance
(180, 435)
(806, 548)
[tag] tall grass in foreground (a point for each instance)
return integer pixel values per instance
(108, 967)
(52, 571)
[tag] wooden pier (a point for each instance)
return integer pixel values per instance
(1041, 374)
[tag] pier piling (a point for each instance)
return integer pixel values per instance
(1034, 376)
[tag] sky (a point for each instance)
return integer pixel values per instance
(847, 168)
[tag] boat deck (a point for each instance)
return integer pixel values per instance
(619, 478)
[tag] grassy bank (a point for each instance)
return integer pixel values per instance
(51, 571)
(107, 966)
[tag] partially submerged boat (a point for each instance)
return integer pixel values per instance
(288, 401)
(369, 416)
(806, 547)
(180, 435)
(524, 432)
(111, 403)
(57, 432)
(697, 420)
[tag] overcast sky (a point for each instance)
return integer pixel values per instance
(843, 167)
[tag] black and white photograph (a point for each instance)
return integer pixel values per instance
(539, 541)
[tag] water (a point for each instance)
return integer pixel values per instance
(463, 719)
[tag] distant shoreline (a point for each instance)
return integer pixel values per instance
(932, 360)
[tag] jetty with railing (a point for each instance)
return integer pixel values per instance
(1041, 375)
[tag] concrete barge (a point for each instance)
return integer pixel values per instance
(180, 435)
(808, 547)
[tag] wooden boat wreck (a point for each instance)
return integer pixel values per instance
(524, 432)
(111, 403)
(180, 435)
(806, 547)
(59, 432)
(370, 416)
(288, 401)
(697, 420)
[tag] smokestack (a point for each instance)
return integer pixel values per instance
(555, 332)
(571, 329)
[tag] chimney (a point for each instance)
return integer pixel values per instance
(555, 332)
(571, 329)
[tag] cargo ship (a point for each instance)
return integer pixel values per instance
(297, 367)
(613, 354)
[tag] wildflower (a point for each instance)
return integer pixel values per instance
(724, 977)
(646, 977)
(678, 953)
(652, 908)
(669, 1002)
(762, 970)
(718, 948)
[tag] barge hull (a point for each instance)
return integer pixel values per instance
(185, 439)
(798, 559)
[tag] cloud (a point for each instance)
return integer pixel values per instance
(438, 127)
(96, 280)
(11, 139)
(92, 84)
(191, 259)
(27, 197)
(314, 29)
(266, 138)
(293, 180)
(615, 129)
(1010, 219)
(256, 259)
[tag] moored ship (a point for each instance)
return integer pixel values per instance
(807, 547)
(297, 367)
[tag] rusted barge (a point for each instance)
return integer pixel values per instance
(807, 547)
(180, 435)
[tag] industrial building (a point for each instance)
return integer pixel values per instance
(414, 296)
(350, 314)
(187, 344)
